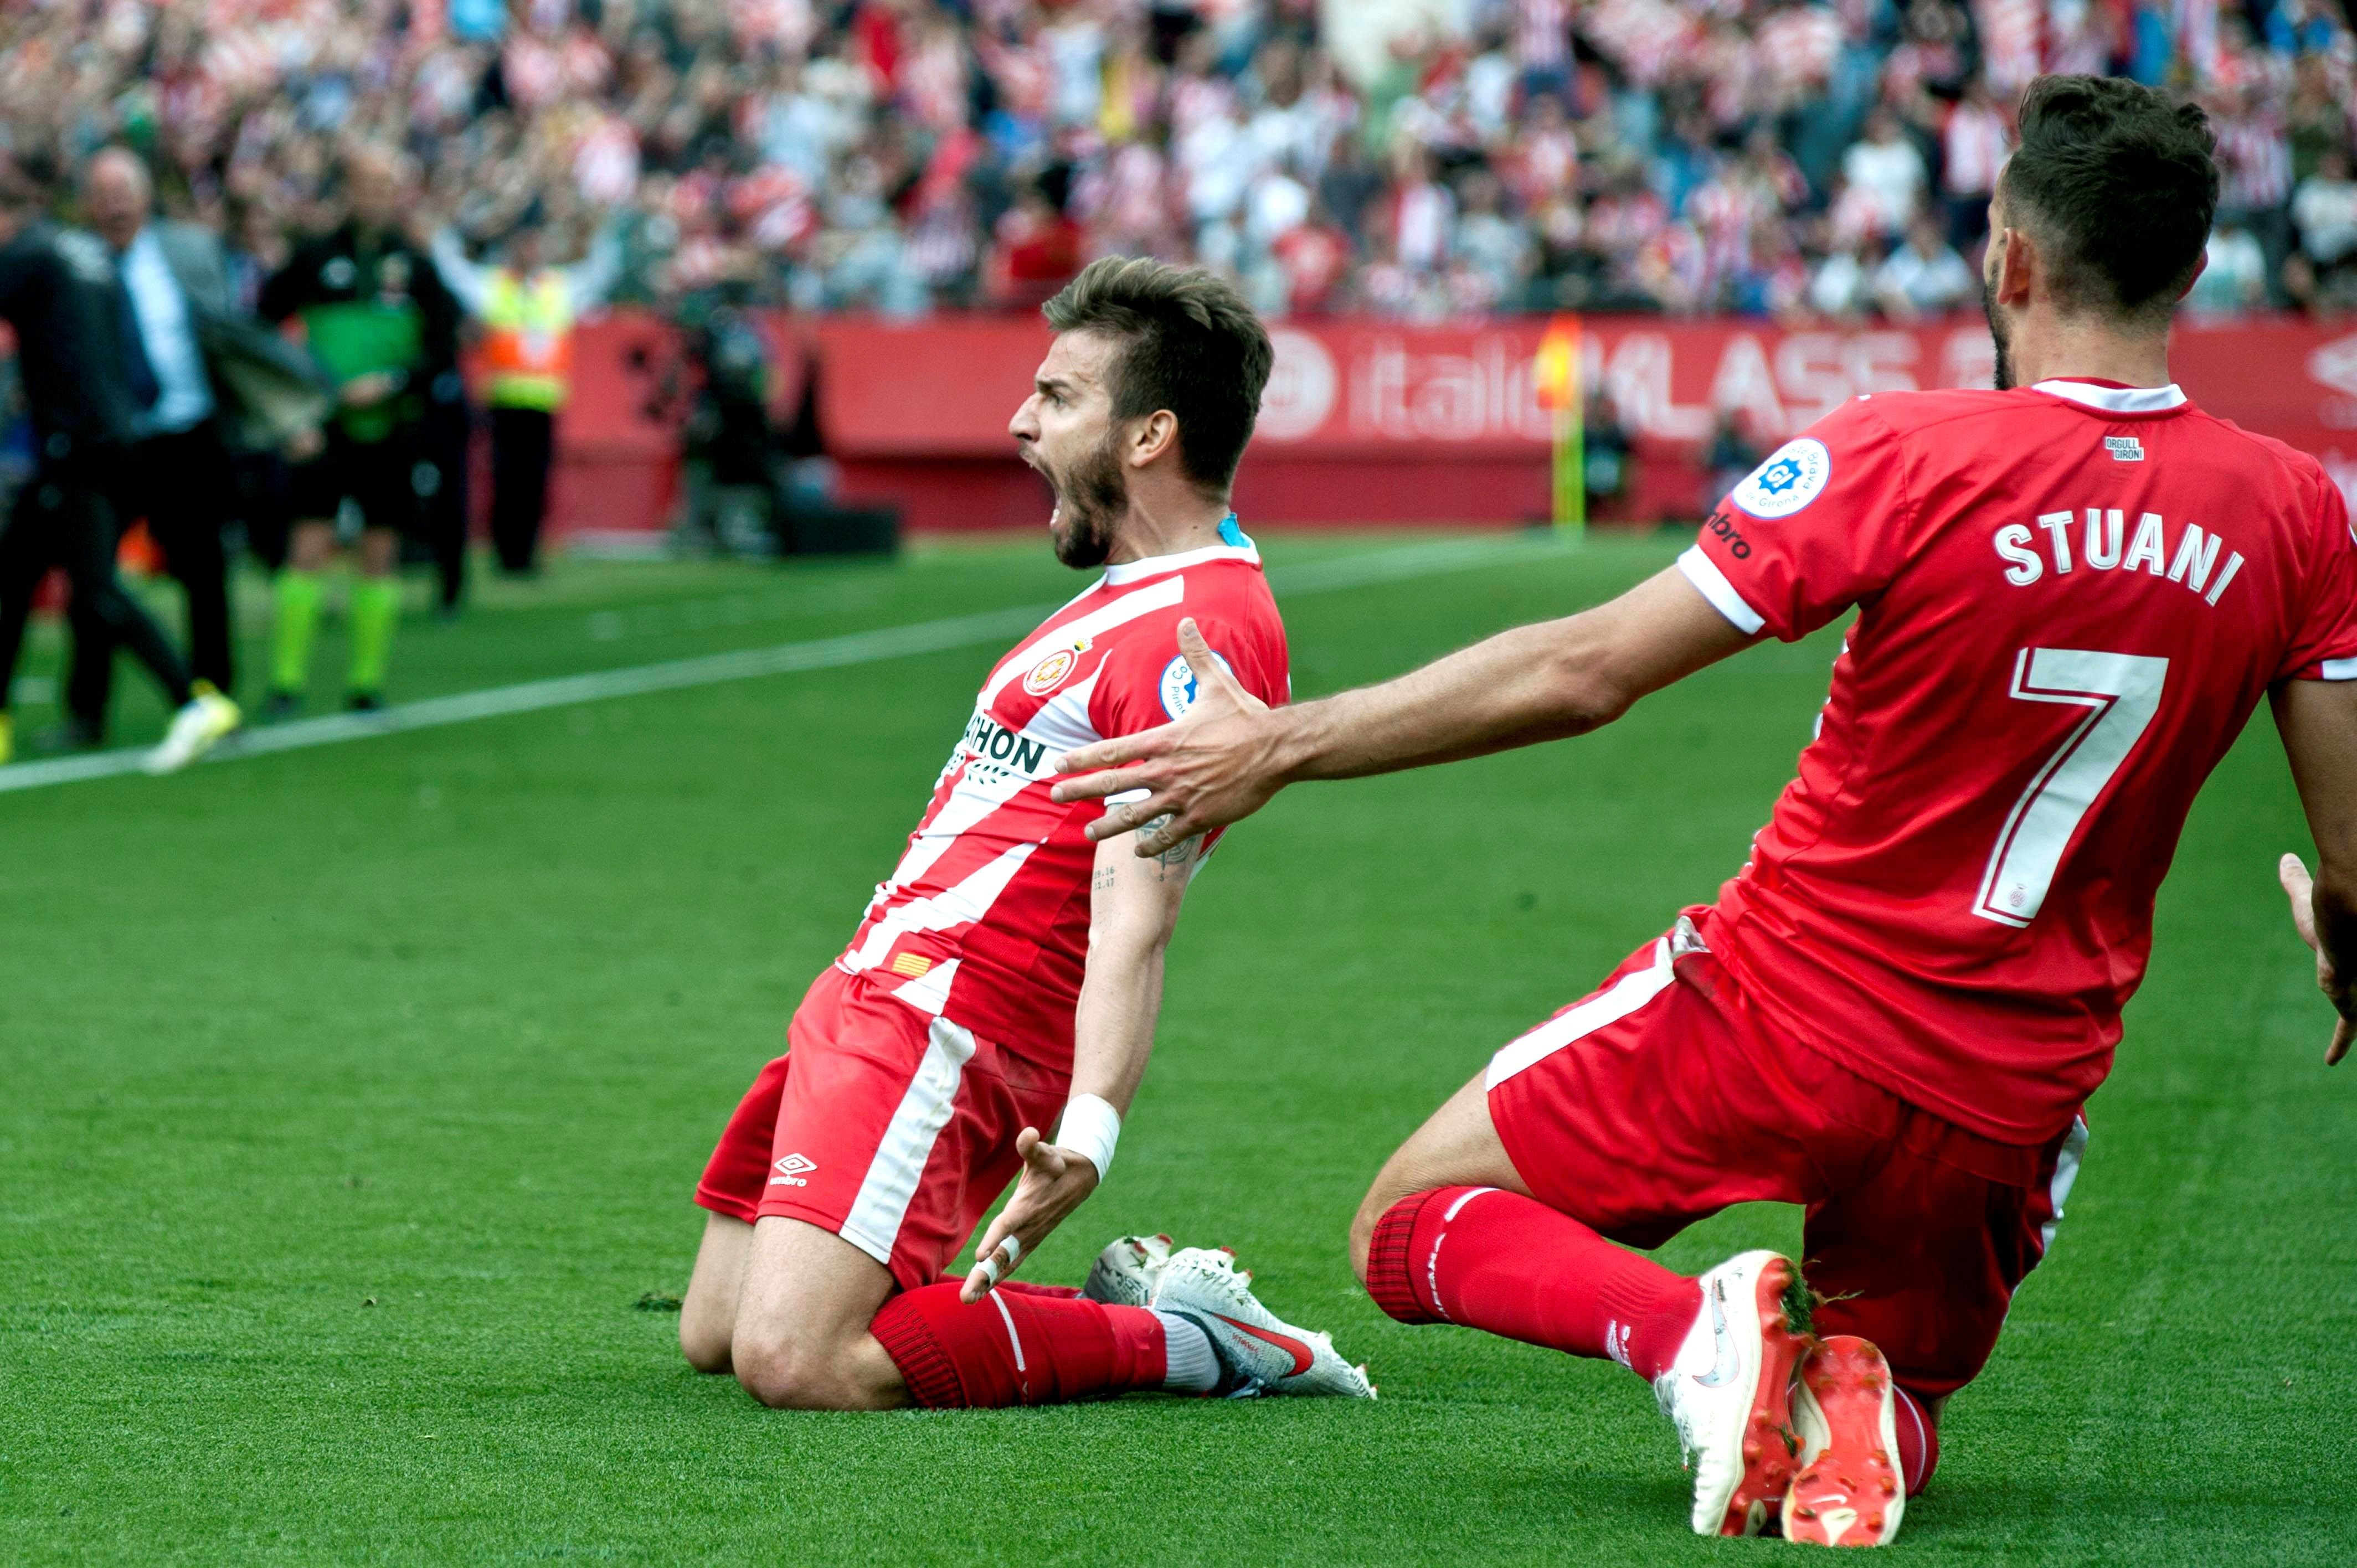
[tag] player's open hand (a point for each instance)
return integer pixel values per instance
(2300, 889)
(1217, 763)
(1055, 1182)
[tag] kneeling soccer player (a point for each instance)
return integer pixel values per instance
(2071, 592)
(1007, 977)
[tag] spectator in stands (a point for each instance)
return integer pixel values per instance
(1843, 285)
(1494, 249)
(1037, 249)
(1314, 257)
(2235, 276)
(1885, 176)
(2254, 163)
(1975, 144)
(2324, 208)
(1925, 276)
(868, 156)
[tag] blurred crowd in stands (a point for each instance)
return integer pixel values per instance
(1762, 156)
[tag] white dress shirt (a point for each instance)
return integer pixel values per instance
(170, 335)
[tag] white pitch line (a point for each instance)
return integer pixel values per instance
(781, 659)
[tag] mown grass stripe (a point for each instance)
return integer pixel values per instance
(1371, 567)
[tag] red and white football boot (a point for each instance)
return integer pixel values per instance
(1729, 1390)
(1849, 1491)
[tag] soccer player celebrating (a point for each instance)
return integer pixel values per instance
(2071, 592)
(1006, 979)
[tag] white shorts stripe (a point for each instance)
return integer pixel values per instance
(874, 1222)
(1624, 996)
(1712, 584)
(2067, 1160)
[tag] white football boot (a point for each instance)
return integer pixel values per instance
(1259, 1352)
(1126, 1272)
(1849, 1491)
(201, 721)
(1729, 1392)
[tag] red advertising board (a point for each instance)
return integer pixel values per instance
(1368, 422)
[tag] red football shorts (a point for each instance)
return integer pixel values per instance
(1661, 1100)
(892, 1129)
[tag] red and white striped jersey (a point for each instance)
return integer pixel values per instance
(985, 921)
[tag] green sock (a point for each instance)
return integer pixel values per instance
(298, 594)
(376, 606)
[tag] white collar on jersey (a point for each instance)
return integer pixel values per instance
(2115, 400)
(1154, 565)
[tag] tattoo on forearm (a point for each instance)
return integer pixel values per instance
(1177, 855)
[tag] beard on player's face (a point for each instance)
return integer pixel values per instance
(1092, 494)
(2000, 334)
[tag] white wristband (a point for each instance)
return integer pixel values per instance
(1091, 1127)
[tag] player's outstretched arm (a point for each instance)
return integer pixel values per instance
(1132, 910)
(1229, 754)
(2318, 721)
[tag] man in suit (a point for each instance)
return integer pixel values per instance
(57, 295)
(191, 374)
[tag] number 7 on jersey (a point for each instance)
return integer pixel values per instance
(2121, 693)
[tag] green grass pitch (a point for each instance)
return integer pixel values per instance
(350, 1098)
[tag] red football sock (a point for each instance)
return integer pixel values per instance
(1497, 1260)
(1919, 1440)
(1019, 1348)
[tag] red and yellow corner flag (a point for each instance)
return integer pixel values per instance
(1554, 374)
(1555, 378)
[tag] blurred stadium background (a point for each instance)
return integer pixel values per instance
(352, 1092)
(842, 214)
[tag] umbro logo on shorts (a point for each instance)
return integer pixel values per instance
(791, 1171)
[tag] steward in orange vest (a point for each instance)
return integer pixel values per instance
(527, 311)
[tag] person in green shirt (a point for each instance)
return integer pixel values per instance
(374, 312)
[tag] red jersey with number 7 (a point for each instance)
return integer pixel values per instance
(2070, 598)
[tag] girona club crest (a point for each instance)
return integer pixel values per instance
(1049, 672)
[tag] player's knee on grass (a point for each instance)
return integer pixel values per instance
(1457, 1147)
(810, 1374)
(705, 1338)
(707, 1317)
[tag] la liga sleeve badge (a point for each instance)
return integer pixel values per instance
(1178, 684)
(1787, 481)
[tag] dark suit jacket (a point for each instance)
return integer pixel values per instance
(270, 389)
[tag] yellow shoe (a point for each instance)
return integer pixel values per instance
(202, 720)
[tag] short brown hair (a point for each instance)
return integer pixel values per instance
(1187, 342)
(2121, 185)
